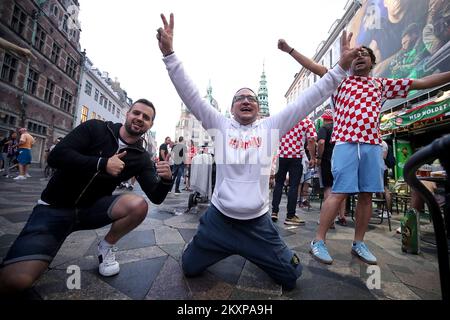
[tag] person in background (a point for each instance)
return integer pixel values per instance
(26, 142)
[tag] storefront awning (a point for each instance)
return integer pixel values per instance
(428, 111)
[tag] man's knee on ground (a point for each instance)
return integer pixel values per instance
(189, 268)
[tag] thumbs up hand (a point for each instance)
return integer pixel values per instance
(115, 165)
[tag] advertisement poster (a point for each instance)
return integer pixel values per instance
(402, 153)
(410, 38)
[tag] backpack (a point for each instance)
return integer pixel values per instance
(390, 159)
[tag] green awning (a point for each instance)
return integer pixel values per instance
(404, 118)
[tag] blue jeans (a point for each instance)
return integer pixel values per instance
(257, 240)
(295, 169)
(178, 170)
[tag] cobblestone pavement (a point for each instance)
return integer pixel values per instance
(150, 258)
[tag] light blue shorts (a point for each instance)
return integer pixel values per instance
(357, 168)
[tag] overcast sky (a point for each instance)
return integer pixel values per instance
(225, 42)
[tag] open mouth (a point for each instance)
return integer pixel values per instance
(360, 64)
(246, 109)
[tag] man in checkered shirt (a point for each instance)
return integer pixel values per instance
(290, 161)
(357, 162)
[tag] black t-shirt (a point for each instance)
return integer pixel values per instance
(325, 133)
(165, 149)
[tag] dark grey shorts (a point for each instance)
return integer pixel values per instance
(48, 227)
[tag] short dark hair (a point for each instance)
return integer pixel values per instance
(371, 54)
(147, 103)
(180, 139)
(413, 28)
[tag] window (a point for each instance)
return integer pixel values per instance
(39, 39)
(9, 120)
(49, 89)
(56, 50)
(93, 115)
(55, 10)
(37, 128)
(71, 67)
(88, 88)
(32, 81)
(19, 20)
(109, 106)
(64, 23)
(66, 101)
(9, 68)
(118, 113)
(84, 114)
(113, 109)
(96, 95)
(105, 102)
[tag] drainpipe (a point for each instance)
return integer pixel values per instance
(79, 88)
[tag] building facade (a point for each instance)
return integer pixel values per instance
(100, 97)
(190, 128)
(40, 94)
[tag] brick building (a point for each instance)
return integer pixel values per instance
(40, 94)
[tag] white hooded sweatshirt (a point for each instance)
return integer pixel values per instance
(243, 153)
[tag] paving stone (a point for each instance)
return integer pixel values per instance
(170, 283)
(136, 278)
(53, 286)
(187, 234)
(256, 280)
(228, 269)
(209, 287)
(165, 235)
(173, 249)
(17, 217)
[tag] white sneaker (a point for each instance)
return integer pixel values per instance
(27, 175)
(19, 177)
(385, 214)
(108, 266)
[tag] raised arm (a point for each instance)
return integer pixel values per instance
(188, 92)
(430, 81)
(306, 62)
(319, 92)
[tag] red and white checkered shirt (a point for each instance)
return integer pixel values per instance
(291, 144)
(357, 107)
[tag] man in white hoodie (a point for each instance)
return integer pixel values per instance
(237, 221)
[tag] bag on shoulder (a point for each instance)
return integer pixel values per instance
(390, 159)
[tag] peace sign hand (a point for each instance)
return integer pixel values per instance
(165, 35)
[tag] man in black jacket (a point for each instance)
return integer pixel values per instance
(90, 163)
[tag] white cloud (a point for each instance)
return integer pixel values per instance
(225, 42)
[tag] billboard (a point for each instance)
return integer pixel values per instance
(410, 38)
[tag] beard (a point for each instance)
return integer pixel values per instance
(131, 131)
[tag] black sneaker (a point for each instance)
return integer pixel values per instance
(177, 191)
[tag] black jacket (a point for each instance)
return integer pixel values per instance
(80, 159)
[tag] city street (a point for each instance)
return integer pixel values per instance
(150, 259)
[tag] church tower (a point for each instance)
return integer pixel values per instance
(263, 96)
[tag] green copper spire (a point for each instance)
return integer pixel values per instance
(263, 96)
